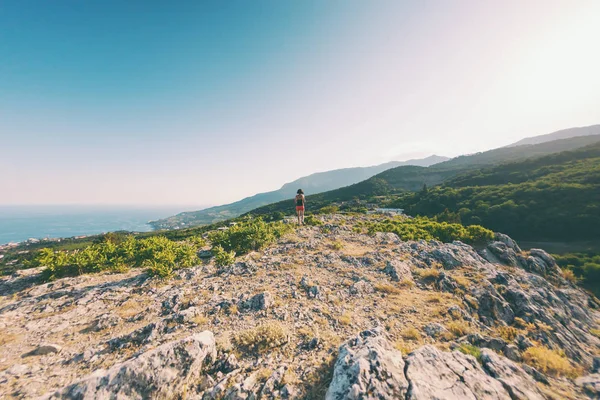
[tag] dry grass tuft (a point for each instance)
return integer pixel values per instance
(406, 348)
(462, 281)
(345, 318)
(458, 328)
(407, 283)
(508, 333)
(428, 274)
(387, 288)
(471, 301)
(569, 275)
(410, 334)
(595, 332)
(549, 361)
(263, 374)
(521, 323)
(262, 338)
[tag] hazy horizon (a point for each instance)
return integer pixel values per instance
(147, 104)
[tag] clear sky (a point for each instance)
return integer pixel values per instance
(206, 102)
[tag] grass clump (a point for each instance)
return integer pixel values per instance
(595, 332)
(261, 338)
(387, 288)
(521, 323)
(471, 350)
(549, 361)
(569, 275)
(337, 245)
(471, 301)
(345, 318)
(410, 334)
(458, 328)
(508, 333)
(429, 274)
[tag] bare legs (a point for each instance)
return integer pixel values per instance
(300, 214)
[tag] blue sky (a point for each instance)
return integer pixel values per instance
(148, 102)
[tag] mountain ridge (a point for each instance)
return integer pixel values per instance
(313, 183)
(561, 134)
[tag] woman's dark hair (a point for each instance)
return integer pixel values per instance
(300, 191)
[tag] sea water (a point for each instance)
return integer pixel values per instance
(19, 223)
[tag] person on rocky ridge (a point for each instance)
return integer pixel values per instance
(300, 201)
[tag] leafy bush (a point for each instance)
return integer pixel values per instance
(582, 268)
(222, 257)
(424, 228)
(160, 255)
(248, 235)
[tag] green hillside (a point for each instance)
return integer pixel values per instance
(396, 181)
(314, 183)
(554, 197)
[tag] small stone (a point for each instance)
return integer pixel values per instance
(44, 349)
(434, 330)
(511, 352)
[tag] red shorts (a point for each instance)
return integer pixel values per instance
(299, 208)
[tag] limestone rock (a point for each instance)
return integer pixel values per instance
(591, 384)
(368, 367)
(433, 374)
(397, 270)
(517, 383)
(159, 373)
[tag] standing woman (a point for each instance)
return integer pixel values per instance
(300, 201)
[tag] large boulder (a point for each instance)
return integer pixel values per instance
(517, 382)
(433, 374)
(160, 373)
(368, 367)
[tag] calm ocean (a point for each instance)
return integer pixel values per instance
(19, 223)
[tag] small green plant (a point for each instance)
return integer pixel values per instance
(471, 350)
(337, 245)
(223, 258)
(311, 220)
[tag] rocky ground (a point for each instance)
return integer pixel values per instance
(328, 312)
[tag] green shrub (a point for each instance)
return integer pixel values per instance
(222, 257)
(248, 235)
(312, 221)
(160, 255)
(424, 228)
(328, 210)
